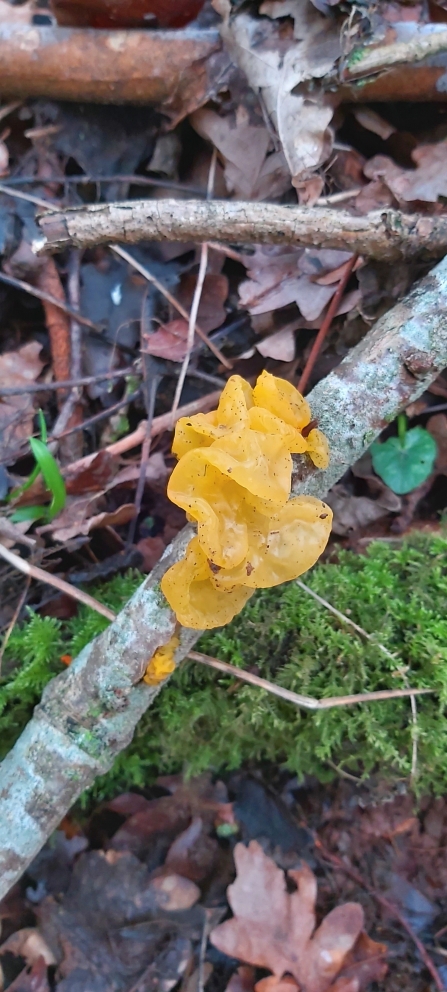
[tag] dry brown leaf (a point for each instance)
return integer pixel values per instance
(252, 170)
(29, 945)
(169, 341)
(212, 312)
(280, 346)
(427, 182)
(276, 66)
(279, 276)
(18, 368)
(79, 518)
(352, 512)
(275, 929)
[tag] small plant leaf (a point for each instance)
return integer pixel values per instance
(405, 463)
(47, 465)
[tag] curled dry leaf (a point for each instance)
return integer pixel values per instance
(277, 67)
(79, 518)
(276, 929)
(212, 312)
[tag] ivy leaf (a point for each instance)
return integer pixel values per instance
(405, 463)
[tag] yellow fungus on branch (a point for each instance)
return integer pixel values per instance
(233, 478)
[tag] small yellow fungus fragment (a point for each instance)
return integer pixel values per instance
(234, 478)
(162, 663)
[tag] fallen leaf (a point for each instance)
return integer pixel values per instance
(277, 65)
(280, 346)
(30, 945)
(193, 853)
(280, 276)
(78, 518)
(212, 312)
(427, 182)
(169, 341)
(353, 512)
(252, 170)
(174, 893)
(152, 549)
(275, 929)
(18, 368)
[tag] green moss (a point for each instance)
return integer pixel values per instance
(203, 719)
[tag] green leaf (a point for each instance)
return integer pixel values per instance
(49, 468)
(52, 476)
(404, 464)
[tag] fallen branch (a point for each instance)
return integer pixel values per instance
(161, 67)
(88, 714)
(383, 234)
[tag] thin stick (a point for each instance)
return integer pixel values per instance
(345, 619)
(97, 417)
(306, 702)
(171, 299)
(53, 580)
(364, 634)
(86, 380)
(326, 324)
(14, 619)
(389, 906)
(48, 298)
(46, 204)
(83, 180)
(197, 295)
(160, 424)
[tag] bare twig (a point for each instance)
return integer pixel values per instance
(384, 234)
(86, 380)
(196, 298)
(389, 906)
(326, 324)
(305, 702)
(46, 204)
(345, 619)
(171, 299)
(41, 294)
(53, 580)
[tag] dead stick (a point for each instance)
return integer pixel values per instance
(53, 580)
(326, 325)
(382, 234)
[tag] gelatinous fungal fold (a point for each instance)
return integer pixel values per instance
(233, 478)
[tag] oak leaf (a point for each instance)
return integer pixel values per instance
(276, 929)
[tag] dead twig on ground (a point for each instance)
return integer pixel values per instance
(58, 326)
(326, 325)
(33, 572)
(384, 234)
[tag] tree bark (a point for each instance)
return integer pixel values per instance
(384, 234)
(88, 714)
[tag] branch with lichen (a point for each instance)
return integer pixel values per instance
(89, 713)
(384, 234)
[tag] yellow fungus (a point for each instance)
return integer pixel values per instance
(233, 478)
(162, 663)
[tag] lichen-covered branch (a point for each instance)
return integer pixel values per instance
(89, 713)
(384, 234)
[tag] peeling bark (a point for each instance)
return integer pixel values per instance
(384, 234)
(89, 713)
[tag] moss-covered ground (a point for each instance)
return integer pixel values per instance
(206, 720)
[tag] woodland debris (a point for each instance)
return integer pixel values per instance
(276, 929)
(134, 66)
(383, 234)
(89, 713)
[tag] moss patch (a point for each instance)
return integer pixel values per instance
(203, 719)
